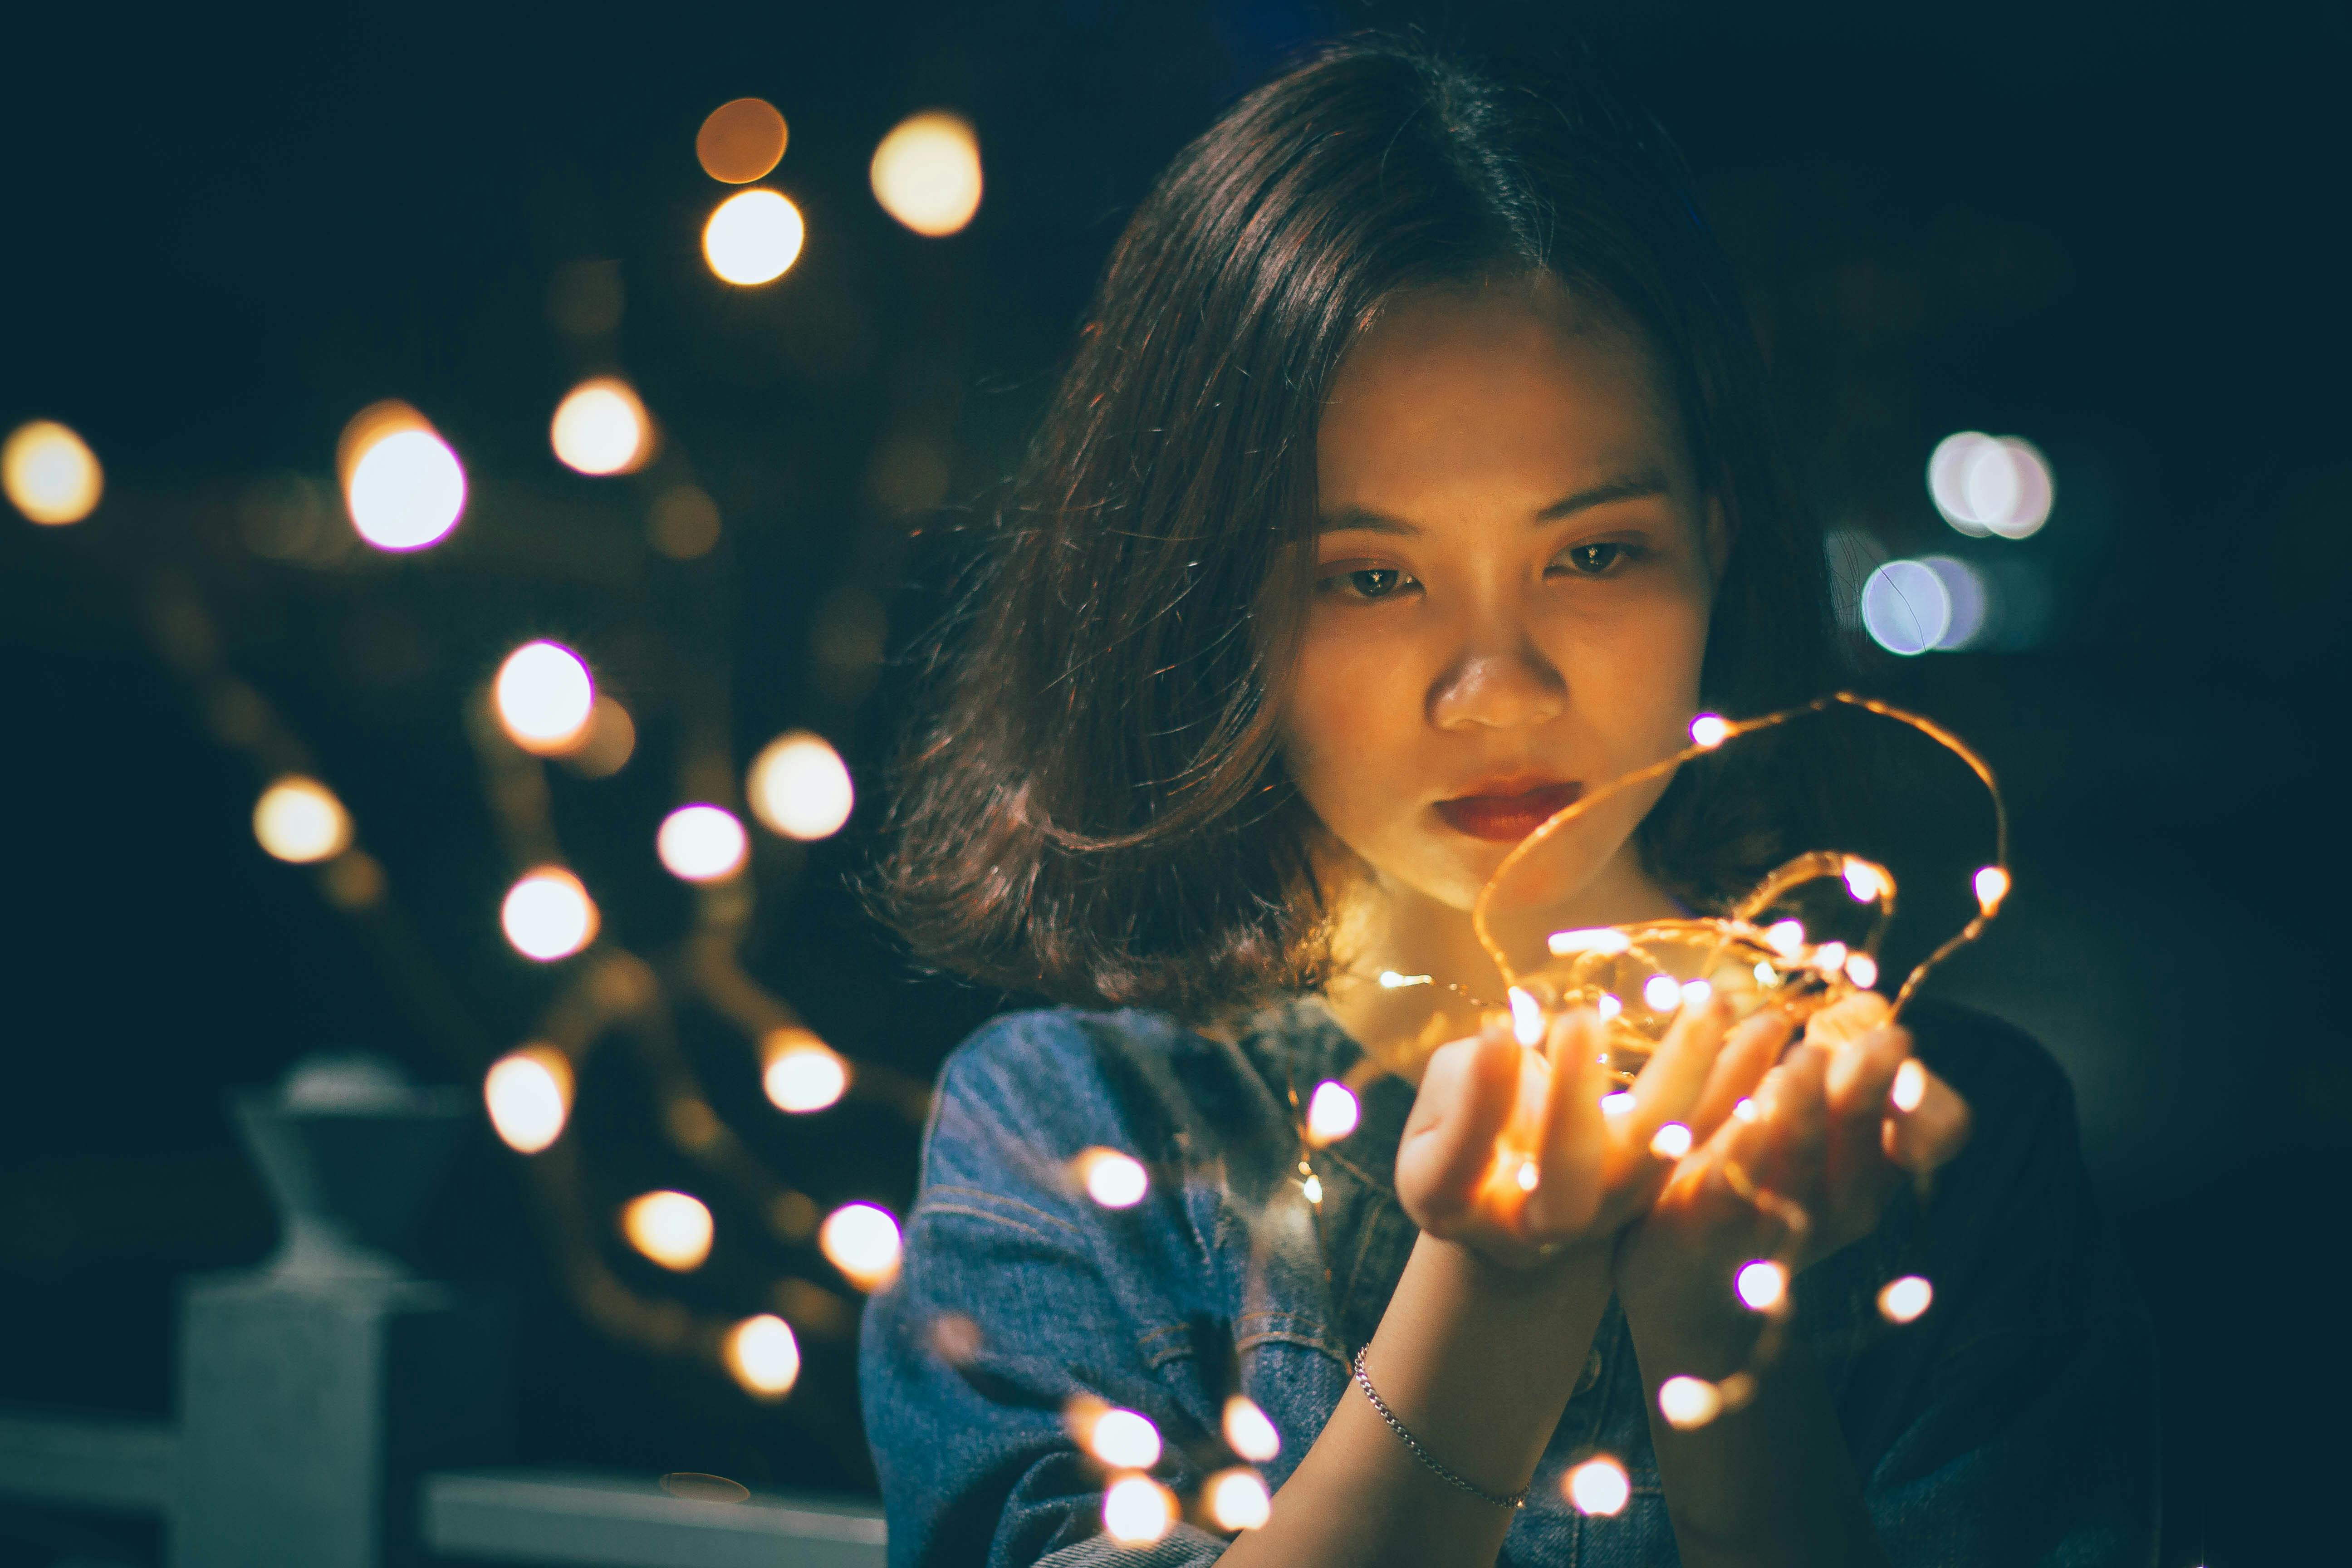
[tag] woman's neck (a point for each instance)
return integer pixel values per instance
(1383, 926)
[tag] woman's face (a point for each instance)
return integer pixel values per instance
(1515, 569)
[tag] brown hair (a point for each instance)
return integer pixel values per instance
(1096, 808)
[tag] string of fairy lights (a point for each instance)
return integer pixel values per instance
(405, 489)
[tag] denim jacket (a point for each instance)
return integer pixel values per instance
(2013, 1425)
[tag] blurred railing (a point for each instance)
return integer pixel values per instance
(335, 1411)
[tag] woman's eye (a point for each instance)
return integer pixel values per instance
(1367, 581)
(1594, 560)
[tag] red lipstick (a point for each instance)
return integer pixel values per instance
(1507, 818)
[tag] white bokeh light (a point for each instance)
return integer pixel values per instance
(800, 787)
(926, 173)
(545, 697)
(1906, 608)
(547, 914)
(753, 238)
(601, 427)
(406, 490)
(1990, 484)
(702, 843)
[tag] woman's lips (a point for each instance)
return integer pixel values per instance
(1508, 817)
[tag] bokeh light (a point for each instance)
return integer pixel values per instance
(1332, 1114)
(402, 485)
(753, 238)
(545, 697)
(862, 1241)
(702, 843)
(1903, 1300)
(1991, 886)
(802, 1073)
(1661, 993)
(741, 140)
(1137, 1510)
(1990, 484)
(1598, 1486)
(611, 740)
(671, 1228)
(1124, 1441)
(299, 819)
(1862, 969)
(926, 173)
(1761, 1285)
(50, 473)
(1910, 1086)
(1971, 600)
(1527, 1018)
(1710, 729)
(764, 1356)
(684, 523)
(1906, 608)
(1248, 1432)
(601, 427)
(1618, 1103)
(1689, 1402)
(547, 914)
(1114, 1180)
(529, 1095)
(800, 787)
(1671, 1142)
(1238, 1499)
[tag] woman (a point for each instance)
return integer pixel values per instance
(1410, 479)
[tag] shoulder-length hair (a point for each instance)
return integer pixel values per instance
(1096, 808)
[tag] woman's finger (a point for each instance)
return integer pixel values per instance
(1465, 1102)
(1932, 1128)
(1669, 1083)
(1795, 1102)
(1849, 1018)
(1570, 1144)
(1751, 1047)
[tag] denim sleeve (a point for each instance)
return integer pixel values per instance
(2024, 1429)
(1016, 1293)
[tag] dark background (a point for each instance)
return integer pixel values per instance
(2112, 229)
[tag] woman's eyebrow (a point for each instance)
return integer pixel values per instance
(1627, 486)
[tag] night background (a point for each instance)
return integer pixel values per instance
(2115, 231)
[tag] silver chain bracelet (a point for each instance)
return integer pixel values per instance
(1515, 1499)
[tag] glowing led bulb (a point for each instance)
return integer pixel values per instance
(862, 1241)
(529, 1094)
(1710, 729)
(1392, 980)
(1992, 886)
(800, 787)
(1762, 1284)
(403, 486)
(926, 173)
(764, 1356)
(1862, 880)
(1114, 1180)
(1766, 975)
(601, 427)
(1599, 939)
(49, 473)
(1696, 994)
(1124, 1441)
(1902, 1300)
(1238, 1499)
(702, 843)
(1617, 1104)
(1787, 937)
(1332, 1114)
(547, 914)
(671, 1228)
(1661, 993)
(1248, 1432)
(1744, 1109)
(299, 819)
(1137, 1510)
(1610, 1006)
(1313, 1187)
(1598, 1486)
(1671, 1142)
(1527, 1019)
(1689, 1402)
(1529, 1174)
(753, 238)
(1830, 957)
(802, 1074)
(544, 698)
(1862, 970)
(1910, 1085)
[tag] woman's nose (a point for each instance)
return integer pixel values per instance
(1498, 687)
